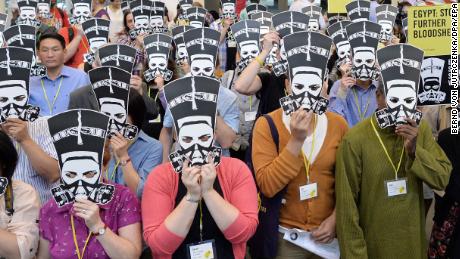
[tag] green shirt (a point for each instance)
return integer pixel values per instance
(369, 223)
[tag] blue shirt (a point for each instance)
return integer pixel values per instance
(355, 102)
(227, 108)
(69, 80)
(145, 153)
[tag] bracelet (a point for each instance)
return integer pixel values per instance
(261, 63)
(125, 162)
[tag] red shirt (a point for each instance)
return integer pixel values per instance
(83, 48)
(240, 5)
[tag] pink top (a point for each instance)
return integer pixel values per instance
(159, 197)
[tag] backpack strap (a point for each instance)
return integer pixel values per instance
(273, 131)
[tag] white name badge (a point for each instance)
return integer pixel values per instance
(250, 116)
(308, 191)
(396, 187)
(202, 250)
(231, 44)
(156, 120)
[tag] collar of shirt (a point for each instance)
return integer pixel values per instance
(65, 72)
(372, 86)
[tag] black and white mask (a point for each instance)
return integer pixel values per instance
(432, 76)
(43, 8)
(181, 50)
(15, 64)
(315, 14)
(157, 47)
(79, 138)
(386, 16)
(156, 17)
(228, 9)
(265, 20)
(81, 11)
(400, 70)
(97, 32)
(111, 86)
(141, 23)
(196, 17)
(27, 16)
(363, 38)
(307, 56)
(247, 35)
(359, 10)
(141, 10)
(193, 105)
(185, 5)
(201, 47)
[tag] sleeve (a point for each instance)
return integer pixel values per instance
(338, 100)
(228, 109)
(130, 212)
(273, 171)
(65, 20)
(430, 164)
(153, 159)
(24, 221)
(157, 204)
(244, 197)
(168, 120)
(45, 141)
(348, 182)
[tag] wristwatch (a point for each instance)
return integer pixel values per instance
(100, 231)
(125, 162)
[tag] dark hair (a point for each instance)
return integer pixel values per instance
(136, 108)
(125, 23)
(51, 35)
(8, 156)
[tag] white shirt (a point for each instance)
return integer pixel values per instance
(320, 136)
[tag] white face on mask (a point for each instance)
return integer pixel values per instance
(81, 12)
(27, 13)
(401, 99)
(158, 62)
(181, 51)
(228, 10)
(313, 25)
(195, 139)
(13, 98)
(43, 9)
(344, 50)
(141, 23)
(387, 29)
(202, 65)
(306, 85)
(364, 62)
(249, 49)
(196, 24)
(431, 73)
(156, 21)
(80, 172)
(116, 111)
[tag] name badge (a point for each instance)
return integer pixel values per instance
(250, 116)
(202, 250)
(156, 120)
(396, 187)
(308, 191)
(231, 44)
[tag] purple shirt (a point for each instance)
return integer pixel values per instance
(55, 225)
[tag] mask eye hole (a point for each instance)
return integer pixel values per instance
(409, 100)
(314, 87)
(394, 99)
(19, 98)
(187, 139)
(89, 174)
(3, 99)
(208, 69)
(119, 115)
(70, 174)
(299, 86)
(205, 138)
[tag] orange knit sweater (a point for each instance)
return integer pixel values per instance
(274, 171)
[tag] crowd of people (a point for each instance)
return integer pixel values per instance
(240, 132)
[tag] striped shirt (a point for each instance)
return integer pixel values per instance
(39, 132)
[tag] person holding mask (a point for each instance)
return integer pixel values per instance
(196, 203)
(115, 14)
(18, 215)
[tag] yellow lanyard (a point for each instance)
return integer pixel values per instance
(396, 169)
(250, 103)
(361, 114)
(112, 176)
(51, 105)
(307, 162)
(201, 222)
(80, 256)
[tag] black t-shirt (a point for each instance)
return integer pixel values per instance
(273, 88)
